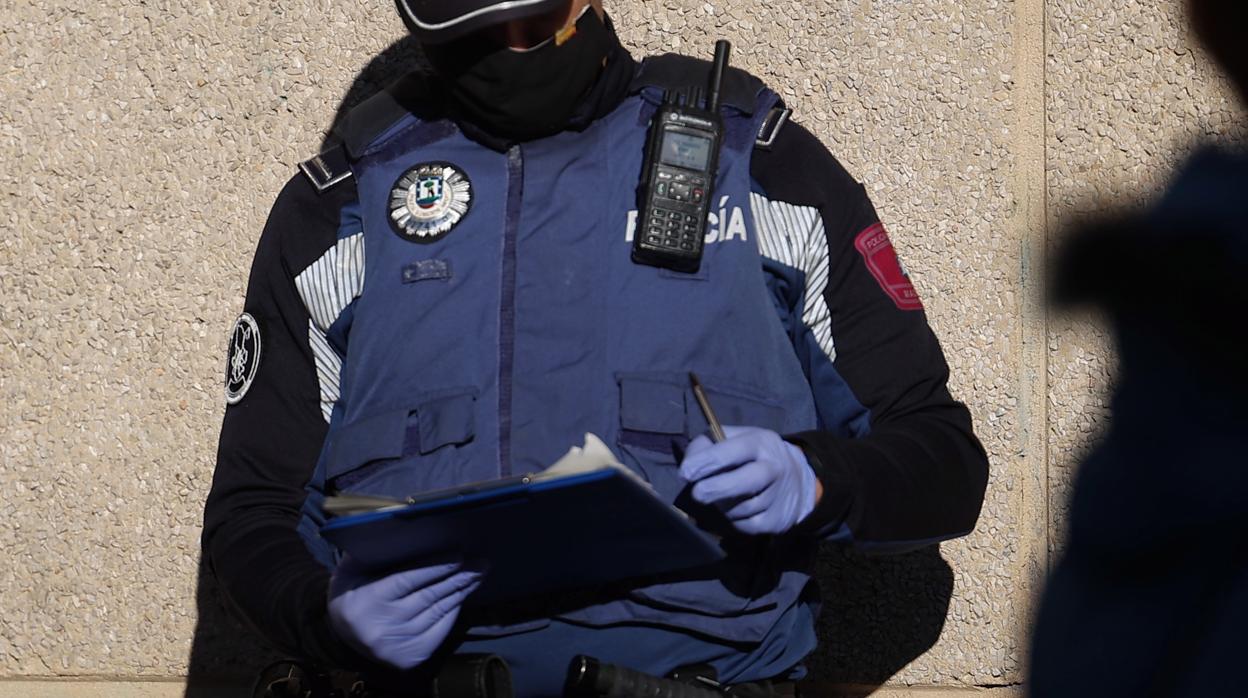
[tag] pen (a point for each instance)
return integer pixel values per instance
(717, 431)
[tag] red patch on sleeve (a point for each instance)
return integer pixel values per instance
(877, 251)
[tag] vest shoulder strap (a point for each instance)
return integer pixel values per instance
(771, 125)
(740, 89)
(672, 71)
(327, 169)
(360, 126)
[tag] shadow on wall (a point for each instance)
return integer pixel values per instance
(399, 59)
(226, 655)
(879, 613)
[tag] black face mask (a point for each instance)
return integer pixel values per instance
(522, 95)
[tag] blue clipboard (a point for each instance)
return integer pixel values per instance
(538, 535)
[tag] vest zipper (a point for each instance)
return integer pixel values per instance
(507, 306)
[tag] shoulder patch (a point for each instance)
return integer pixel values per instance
(242, 358)
(881, 260)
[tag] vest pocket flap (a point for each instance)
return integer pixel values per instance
(736, 407)
(439, 419)
(663, 403)
(377, 437)
(444, 419)
(651, 404)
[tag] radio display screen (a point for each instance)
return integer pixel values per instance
(684, 150)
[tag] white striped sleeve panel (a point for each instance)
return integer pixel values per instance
(794, 236)
(327, 287)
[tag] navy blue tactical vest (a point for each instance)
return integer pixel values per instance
(493, 348)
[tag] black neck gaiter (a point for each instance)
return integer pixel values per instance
(523, 95)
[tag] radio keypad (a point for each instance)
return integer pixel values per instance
(669, 224)
(673, 228)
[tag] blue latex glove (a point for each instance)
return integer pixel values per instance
(402, 618)
(762, 483)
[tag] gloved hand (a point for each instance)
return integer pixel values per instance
(762, 483)
(401, 618)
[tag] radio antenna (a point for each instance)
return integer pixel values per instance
(722, 47)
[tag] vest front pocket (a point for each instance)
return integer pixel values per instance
(659, 416)
(741, 597)
(400, 452)
(652, 434)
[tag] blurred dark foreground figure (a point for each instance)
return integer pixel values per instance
(1151, 597)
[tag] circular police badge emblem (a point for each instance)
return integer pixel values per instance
(242, 359)
(429, 200)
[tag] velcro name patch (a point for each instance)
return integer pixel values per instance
(426, 270)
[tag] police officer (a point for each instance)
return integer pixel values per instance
(447, 295)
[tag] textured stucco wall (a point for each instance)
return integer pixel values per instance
(142, 143)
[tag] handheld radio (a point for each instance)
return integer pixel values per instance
(678, 175)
